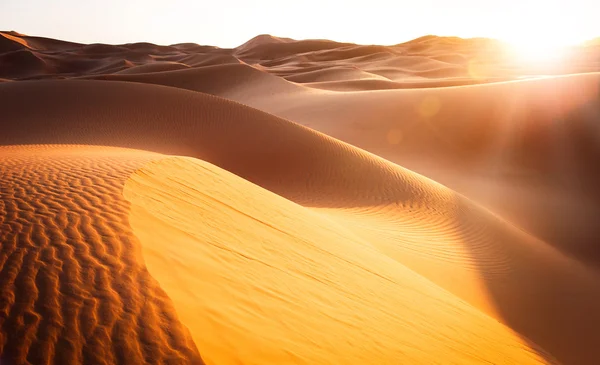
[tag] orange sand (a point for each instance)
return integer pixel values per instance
(297, 202)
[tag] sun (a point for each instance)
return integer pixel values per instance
(549, 49)
(542, 33)
(538, 51)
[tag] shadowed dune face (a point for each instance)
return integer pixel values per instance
(399, 195)
(74, 288)
(22, 63)
(281, 156)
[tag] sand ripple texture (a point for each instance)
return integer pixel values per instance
(73, 288)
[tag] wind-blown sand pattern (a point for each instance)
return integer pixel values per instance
(73, 287)
(297, 202)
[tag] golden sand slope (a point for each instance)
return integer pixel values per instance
(274, 243)
(73, 287)
(88, 298)
(273, 282)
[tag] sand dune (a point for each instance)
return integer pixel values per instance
(297, 202)
(333, 74)
(154, 67)
(73, 287)
(234, 81)
(311, 280)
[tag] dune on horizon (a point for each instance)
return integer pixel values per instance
(297, 202)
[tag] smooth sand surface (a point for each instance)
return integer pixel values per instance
(298, 202)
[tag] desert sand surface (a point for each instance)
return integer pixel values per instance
(298, 202)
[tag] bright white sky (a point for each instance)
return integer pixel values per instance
(228, 23)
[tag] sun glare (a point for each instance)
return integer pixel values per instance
(543, 33)
(538, 52)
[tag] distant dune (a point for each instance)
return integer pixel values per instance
(298, 202)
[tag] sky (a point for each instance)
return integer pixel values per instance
(229, 23)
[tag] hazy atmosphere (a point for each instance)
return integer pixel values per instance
(229, 23)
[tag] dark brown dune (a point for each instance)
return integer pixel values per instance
(9, 43)
(234, 81)
(265, 49)
(210, 59)
(153, 67)
(22, 63)
(40, 43)
(333, 74)
(348, 52)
